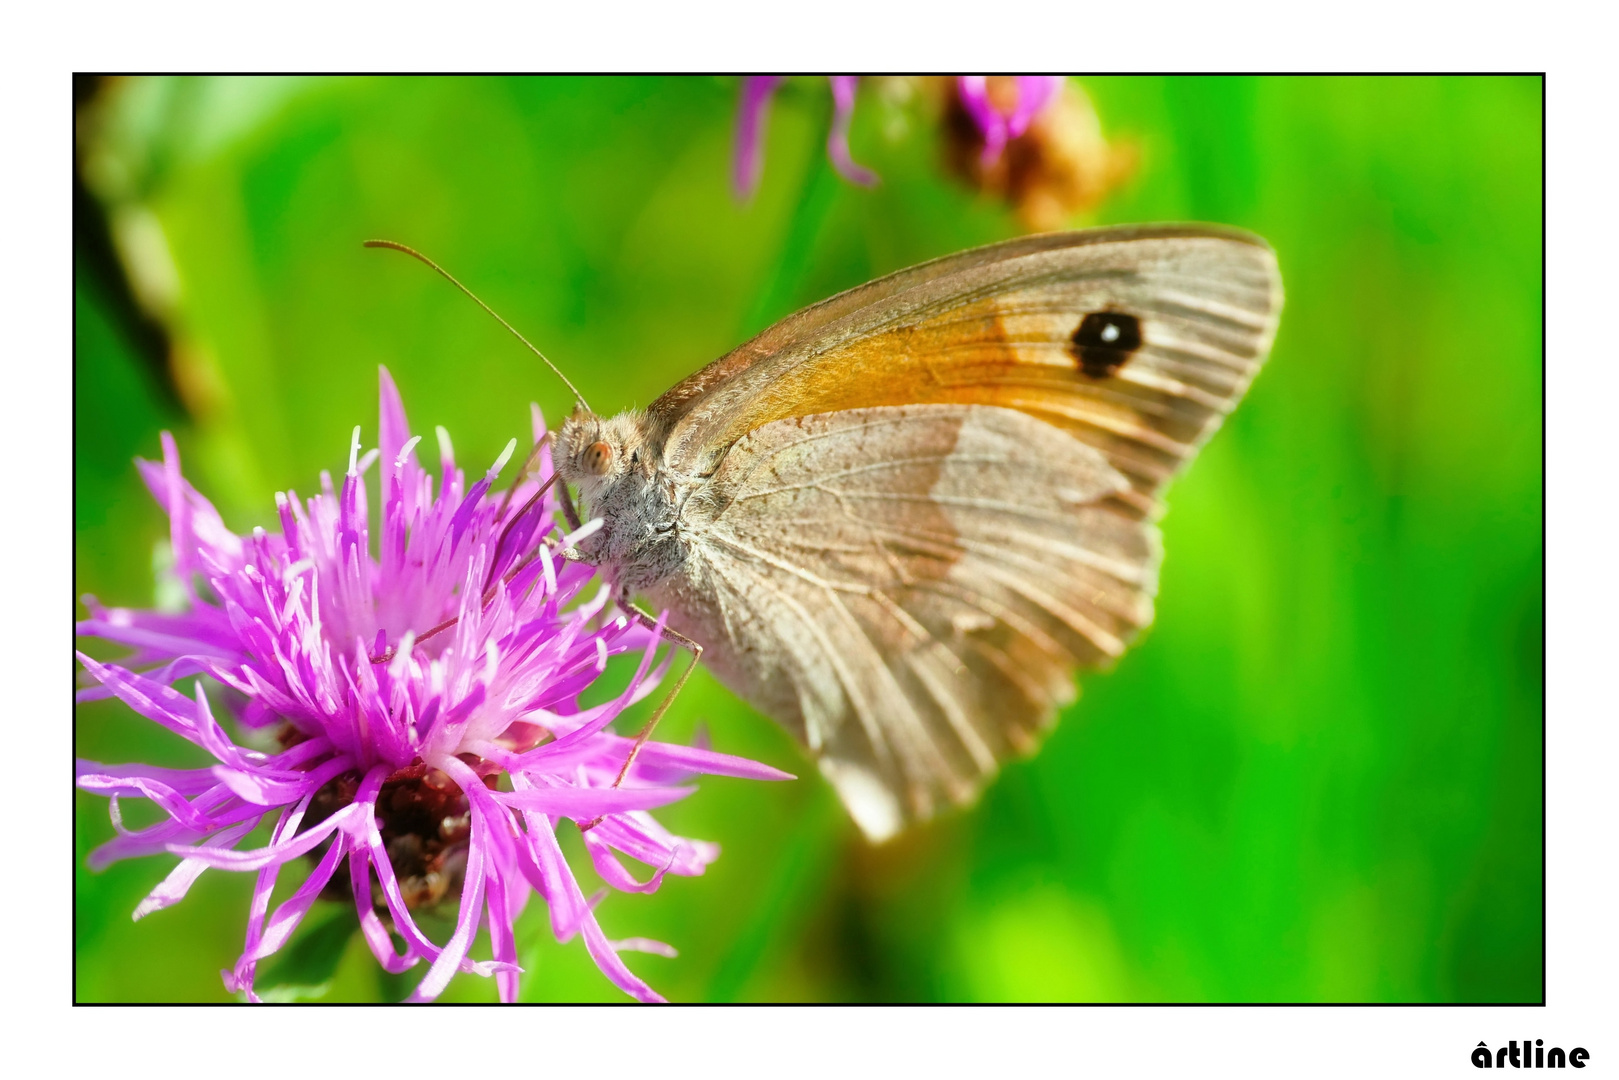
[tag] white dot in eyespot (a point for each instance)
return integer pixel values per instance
(1110, 333)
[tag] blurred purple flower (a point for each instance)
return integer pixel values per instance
(748, 161)
(997, 128)
(1034, 92)
(401, 691)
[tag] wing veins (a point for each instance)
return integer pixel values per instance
(856, 699)
(821, 482)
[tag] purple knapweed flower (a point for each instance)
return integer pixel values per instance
(1034, 93)
(747, 163)
(416, 714)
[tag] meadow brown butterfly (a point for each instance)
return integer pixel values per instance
(899, 520)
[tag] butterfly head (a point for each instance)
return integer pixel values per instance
(595, 453)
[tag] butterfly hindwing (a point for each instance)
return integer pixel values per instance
(909, 589)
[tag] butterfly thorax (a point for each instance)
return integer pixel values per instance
(619, 475)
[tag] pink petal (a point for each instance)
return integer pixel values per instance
(747, 161)
(837, 141)
(590, 802)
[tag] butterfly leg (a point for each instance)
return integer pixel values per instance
(647, 620)
(569, 511)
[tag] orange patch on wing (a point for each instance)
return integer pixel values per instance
(984, 353)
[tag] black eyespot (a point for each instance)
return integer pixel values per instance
(1105, 341)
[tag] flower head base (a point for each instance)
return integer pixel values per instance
(1034, 141)
(1033, 93)
(418, 709)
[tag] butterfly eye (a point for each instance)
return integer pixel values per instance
(598, 458)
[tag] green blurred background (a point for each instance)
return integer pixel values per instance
(1317, 777)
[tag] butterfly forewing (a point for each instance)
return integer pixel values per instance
(1040, 325)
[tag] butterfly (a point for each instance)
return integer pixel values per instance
(898, 521)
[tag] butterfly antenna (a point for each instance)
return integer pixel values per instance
(413, 253)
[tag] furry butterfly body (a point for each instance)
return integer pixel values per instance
(899, 521)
